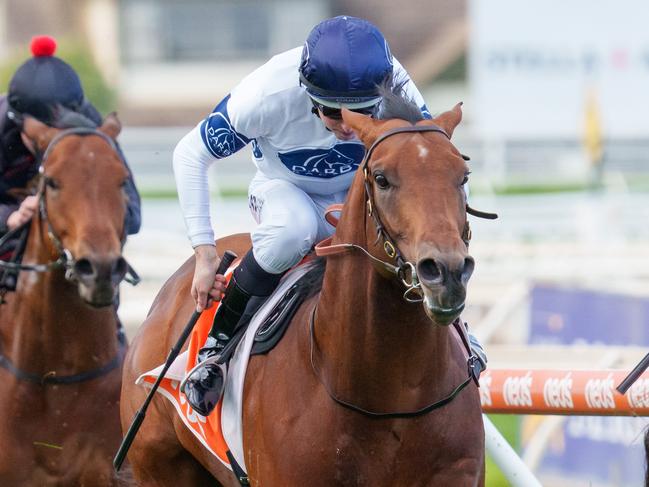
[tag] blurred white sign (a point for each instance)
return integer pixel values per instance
(535, 64)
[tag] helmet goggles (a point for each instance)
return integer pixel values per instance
(336, 114)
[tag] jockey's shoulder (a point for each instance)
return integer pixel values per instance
(276, 77)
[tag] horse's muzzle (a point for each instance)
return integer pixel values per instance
(439, 271)
(98, 280)
(439, 315)
(443, 280)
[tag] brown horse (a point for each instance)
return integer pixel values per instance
(61, 357)
(360, 391)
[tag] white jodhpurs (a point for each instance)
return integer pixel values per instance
(290, 222)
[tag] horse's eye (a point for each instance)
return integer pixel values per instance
(51, 183)
(381, 180)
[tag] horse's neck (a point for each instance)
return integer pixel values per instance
(365, 319)
(46, 326)
(374, 346)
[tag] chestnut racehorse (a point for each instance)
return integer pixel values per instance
(365, 388)
(60, 354)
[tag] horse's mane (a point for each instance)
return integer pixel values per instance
(396, 103)
(311, 282)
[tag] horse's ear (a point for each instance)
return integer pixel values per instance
(111, 126)
(39, 133)
(366, 128)
(447, 120)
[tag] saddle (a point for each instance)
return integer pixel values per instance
(276, 320)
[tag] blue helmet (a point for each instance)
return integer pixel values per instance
(344, 60)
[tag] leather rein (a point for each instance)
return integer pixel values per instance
(405, 271)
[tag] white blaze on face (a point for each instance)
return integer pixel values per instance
(423, 152)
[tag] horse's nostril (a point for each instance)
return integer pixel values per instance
(84, 268)
(118, 271)
(467, 270)
(429, 271)
(120, 267)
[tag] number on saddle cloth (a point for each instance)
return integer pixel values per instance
(275, 323)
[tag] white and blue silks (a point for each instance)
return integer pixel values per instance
(301, 166)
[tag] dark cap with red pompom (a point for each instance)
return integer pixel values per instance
(42, 46)
(43, 82)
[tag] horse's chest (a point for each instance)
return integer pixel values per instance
(361, 453)
(49, 435)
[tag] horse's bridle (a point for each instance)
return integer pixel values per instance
(404, 270)
(65, 260)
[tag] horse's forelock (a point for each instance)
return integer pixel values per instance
(396, 103)
(65, 118)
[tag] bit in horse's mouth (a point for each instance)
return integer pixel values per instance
(442, 316)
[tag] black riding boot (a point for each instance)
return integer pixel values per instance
(248, 289)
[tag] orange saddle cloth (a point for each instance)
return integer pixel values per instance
(207, 429)
(228, 413)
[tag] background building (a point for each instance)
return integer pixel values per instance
(169, 61)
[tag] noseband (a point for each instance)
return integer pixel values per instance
(65, 260)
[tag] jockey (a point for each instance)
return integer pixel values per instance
(289, 109)
(48, 89)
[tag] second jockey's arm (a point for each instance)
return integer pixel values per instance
(24, 213)
(133, 217)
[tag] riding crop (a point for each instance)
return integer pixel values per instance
(634, 375)
(226, 260)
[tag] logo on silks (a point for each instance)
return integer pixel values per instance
(324, 163)
(221, 141)
(256, 150)
(219, 135)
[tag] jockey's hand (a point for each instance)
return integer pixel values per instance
(207, 286)
(24, 213)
